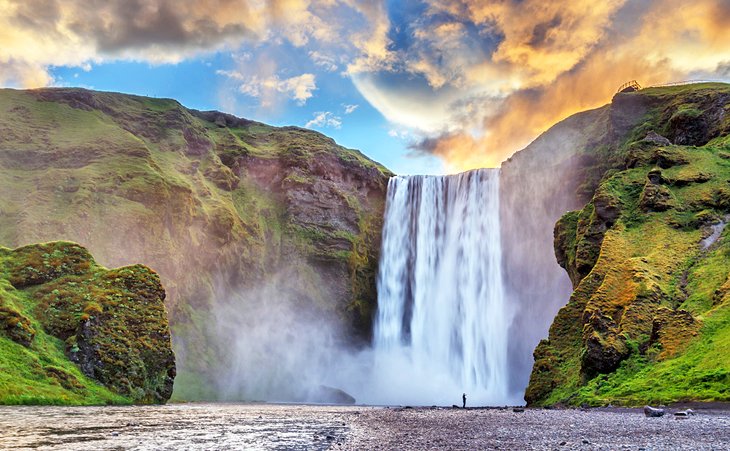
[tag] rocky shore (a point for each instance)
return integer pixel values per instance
(596, 429)
(307, 427)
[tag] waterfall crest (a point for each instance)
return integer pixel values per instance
(443, 319)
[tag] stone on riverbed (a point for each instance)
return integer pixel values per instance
(330, 395)
(653, 412)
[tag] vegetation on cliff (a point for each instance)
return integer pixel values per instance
(649, 258)
(216, 204)
(73, 332)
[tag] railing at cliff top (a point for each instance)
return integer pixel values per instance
(685, 82)
(630, 84)
(638, 87)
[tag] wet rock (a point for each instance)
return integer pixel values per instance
(683, 180)
(655, 176)
(518, 409)
(652, 412)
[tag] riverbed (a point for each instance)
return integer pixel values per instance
(302, 427)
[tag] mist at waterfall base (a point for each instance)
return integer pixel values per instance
(466, 289)
(275, 344)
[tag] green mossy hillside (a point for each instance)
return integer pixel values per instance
(215, 203)
(649, 258)
(72, 332)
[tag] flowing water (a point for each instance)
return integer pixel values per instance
(175, 426)
(443, 319)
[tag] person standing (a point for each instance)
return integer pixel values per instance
(463, 399)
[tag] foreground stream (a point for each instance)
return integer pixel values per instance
(173, 426)
(299, 427)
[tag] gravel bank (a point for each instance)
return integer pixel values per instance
(301, 427)
(452, 429)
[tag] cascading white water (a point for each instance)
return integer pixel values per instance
(443, 320)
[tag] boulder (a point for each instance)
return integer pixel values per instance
(656, 138)
(652, 412)
(330, 395)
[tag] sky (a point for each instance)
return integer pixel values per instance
(432, 86)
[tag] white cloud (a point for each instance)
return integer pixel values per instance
(297, 88)
(38, 34)
(324, 119)
(399, 133)
(349, 109)
(324, 61)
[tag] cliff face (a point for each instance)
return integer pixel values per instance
(537, 186)
(218, 205)
(57, 306)
(649, 260)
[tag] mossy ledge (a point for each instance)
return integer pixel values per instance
(73, 332)
(649, 259)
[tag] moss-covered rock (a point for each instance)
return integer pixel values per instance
(15, 325)
(111, 323)
(656, 197)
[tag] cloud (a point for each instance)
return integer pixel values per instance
(349, 109)
(327, 62)
(399, 133)
(324, 119)
(479, 80)
(372, 44)
(37, 34)
(297, 88)
(472, 81)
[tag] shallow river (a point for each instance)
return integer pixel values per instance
(174, 426)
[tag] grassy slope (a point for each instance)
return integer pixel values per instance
(140, 179)
(653, 295)
(57, 292)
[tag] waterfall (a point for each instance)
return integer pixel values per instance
(442, 322)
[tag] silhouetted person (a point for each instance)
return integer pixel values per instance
(463, 398)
